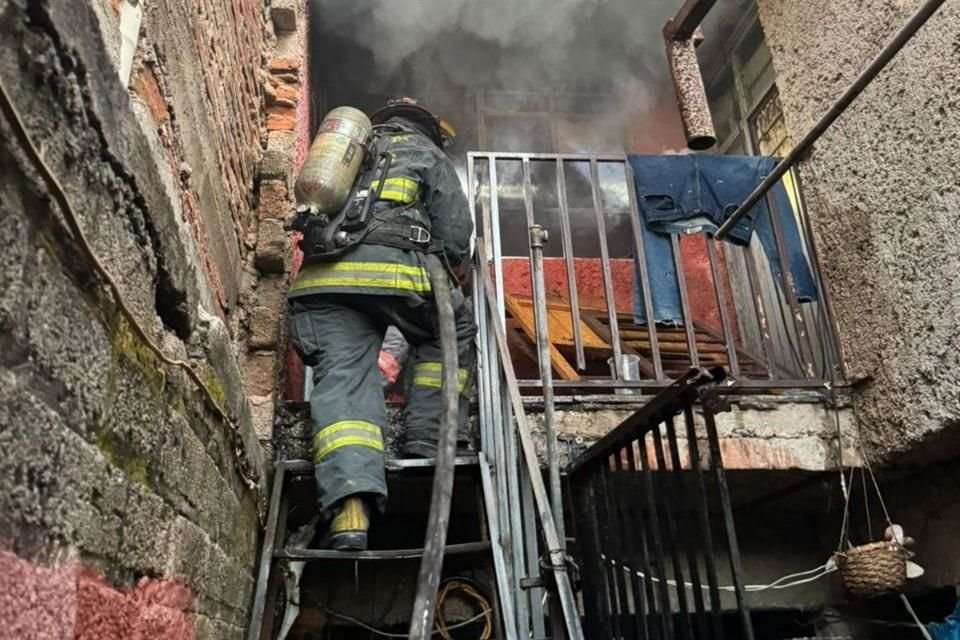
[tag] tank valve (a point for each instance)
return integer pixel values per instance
(342, 238)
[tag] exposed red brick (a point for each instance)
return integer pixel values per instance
(284, 65)
(281, 123)
(73, 601)
(115, 5)
(146, 86)
(280, 118)
(288, 92)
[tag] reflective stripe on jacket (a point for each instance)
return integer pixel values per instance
(369, 269)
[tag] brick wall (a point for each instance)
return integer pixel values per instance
(128, 505)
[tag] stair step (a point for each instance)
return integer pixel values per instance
(398, 464)
(305, 467)
(380, 554)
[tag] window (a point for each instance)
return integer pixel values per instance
(744, 99)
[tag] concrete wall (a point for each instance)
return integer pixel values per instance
(883, 193)
(128, 506)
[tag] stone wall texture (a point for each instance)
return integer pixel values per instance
(129, 506)
(884, 196)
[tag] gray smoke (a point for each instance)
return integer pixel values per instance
(611, 49)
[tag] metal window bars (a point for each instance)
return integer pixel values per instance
(654, 520)
(736, 312)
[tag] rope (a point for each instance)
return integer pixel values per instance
(72, 219)
(913, 614)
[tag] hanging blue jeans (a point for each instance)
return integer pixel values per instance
(686, 194)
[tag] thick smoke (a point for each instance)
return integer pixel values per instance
(507, 43)
(612, 50)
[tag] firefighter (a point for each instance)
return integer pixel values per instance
(341, 310)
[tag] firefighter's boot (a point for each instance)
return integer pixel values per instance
(348, 529)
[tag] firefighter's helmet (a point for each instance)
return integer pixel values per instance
(439, 130)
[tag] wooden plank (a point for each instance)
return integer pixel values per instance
(524, 317)
(559, 325)
(593, 321)
(676, 347)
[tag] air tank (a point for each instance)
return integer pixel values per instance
(334, 160)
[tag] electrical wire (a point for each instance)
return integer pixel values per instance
(803, 577)
(387, 634)
(460, 585)
(15, 120)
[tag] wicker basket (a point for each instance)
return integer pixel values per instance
(873, 569)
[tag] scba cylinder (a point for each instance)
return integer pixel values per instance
(334, 160)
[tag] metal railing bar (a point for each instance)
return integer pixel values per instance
(685, 303)
(661, 571)
(728, 338)
(736, 564)
(653, 608)
(641, 265)
(581, 157)
(676, 476)
(667, 402)
(763, 321)
(588, 536)
(703, 514)
(789, 291)
(566, 237)
(831, 329)
(629, 528)
(620, 611)
(607, 275)
(672, 537)
(495, 239)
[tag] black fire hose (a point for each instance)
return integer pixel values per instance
(425, 602)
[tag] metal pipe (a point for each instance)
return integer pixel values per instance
(556, 557)
(266, 554)
(504, 588)
(539, 237)
(853, 91)
(691, 94)
(688, 18)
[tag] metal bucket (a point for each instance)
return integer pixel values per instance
(630, 368)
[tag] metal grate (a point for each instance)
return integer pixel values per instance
(655, 532)
(736, 313)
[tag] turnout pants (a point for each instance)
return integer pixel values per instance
(339, 336)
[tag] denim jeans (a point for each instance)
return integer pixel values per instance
(686, 194)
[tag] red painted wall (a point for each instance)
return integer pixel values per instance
(73, 601)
